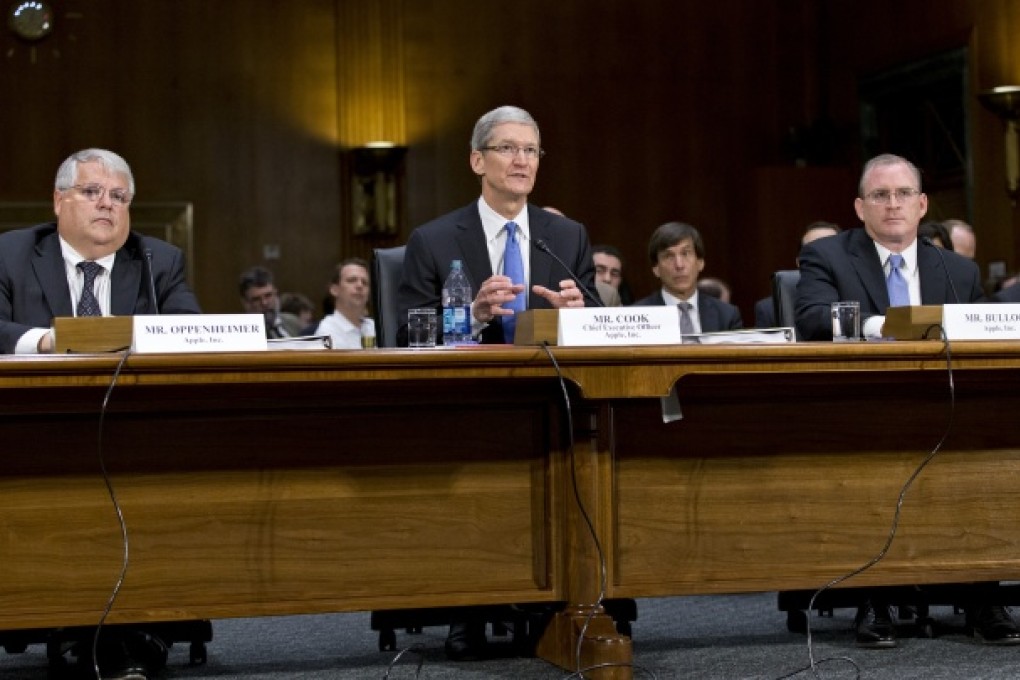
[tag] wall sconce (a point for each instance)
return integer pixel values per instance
(377, 178)
(1005, 103)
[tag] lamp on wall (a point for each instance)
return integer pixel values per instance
(1005, 103)
(377, 178)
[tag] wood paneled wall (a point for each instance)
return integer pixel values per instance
(651, 111)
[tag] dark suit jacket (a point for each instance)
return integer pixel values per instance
(34, 290)
(459, 236)
(1009, 294)
(714, 314)
(847, 267)
(765, 313)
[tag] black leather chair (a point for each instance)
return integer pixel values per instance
(387, 266)
(784, 296)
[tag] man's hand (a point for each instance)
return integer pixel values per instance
(45, 344)
(569, 294)
(495, 292)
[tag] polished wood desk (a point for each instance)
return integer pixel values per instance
(299, 482)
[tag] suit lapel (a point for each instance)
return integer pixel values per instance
(48, 265)
(708, 314)
(471, 246)
(869, 269)
(540, 223)
(932, 275)
(125, 284)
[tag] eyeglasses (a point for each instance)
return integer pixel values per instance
(95, 192)
(883, 196)
(511, 151)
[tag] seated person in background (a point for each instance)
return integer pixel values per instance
(90, 263)
(717, 288)
(938, 234)
(677, 254)
(963, 237)
(764, 309)
(884, 265)
(609, 270)
(350, 289)
(298, 310)
(260, 296)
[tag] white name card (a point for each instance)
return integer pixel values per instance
(176, 333)
(981, 322)
(601, 326)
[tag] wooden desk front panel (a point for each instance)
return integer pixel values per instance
(274, 499)
(788, 481)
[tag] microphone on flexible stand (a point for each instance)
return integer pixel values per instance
(928, 242)
(541, 245)
(152, 281)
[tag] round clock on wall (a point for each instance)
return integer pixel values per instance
(31, 19)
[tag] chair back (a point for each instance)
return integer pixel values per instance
(387, 266)
(784, 296)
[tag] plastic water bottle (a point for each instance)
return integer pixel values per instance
(456, 300)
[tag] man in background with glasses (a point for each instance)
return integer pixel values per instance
(505, 154)
(880, 266)
(44, 269)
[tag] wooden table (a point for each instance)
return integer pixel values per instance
(301, 482)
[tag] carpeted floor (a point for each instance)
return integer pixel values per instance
(719, 637)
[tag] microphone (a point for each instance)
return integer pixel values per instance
(541, 245)
(928, 242)
(152, 280)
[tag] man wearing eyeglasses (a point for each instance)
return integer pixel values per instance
(864, 265)
(858, 263)
(90, 263)
(505, 154)
(44, 269)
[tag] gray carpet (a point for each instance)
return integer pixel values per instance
(725, 637)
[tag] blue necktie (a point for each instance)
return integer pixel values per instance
(88, 305)
(899, 291)
(513, 266)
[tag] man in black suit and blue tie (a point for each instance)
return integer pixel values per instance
(496, 240)
(505, 154)
(885, 265)
(677, 254)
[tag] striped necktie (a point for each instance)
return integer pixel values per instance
(88, 305)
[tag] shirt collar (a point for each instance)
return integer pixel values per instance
(494, 224)
(72, 257)
(671, 299)
(909, 257)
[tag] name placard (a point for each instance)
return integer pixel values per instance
(177, 333)
(981, 322)
(601, 326)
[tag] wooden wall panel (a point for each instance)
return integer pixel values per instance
(229, 105)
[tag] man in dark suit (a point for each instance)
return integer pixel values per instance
(39, 274)
(505, 153)
(855, 264)
(863, 265)
(43, 274)
(677, 254)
